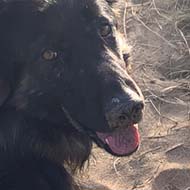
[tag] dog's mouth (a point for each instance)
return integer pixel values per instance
(121, 142)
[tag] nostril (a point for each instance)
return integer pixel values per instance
(122, 117)
(137, 112)
(139, 106)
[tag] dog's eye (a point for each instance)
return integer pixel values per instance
(105, 30)
(49, 54)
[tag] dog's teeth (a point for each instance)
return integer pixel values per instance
(107, 141)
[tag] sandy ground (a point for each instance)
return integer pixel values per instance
(159, 33)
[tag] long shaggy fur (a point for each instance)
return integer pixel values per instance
(35, 143)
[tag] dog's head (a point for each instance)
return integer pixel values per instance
(64, 59)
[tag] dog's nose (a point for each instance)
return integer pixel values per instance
(124, 112)
(136, 111)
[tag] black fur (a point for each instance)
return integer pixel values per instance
(57, 74)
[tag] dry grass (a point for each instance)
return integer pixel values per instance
(159, 32)
(161, 50)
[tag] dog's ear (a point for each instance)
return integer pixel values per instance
(4, 91)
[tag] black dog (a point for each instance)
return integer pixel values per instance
(63, 85)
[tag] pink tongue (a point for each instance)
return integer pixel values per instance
(123, 141)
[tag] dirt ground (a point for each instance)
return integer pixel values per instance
(159, 34)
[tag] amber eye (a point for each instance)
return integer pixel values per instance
(49, 54)
(105, 30)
